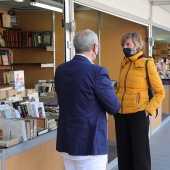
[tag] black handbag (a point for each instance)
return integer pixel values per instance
(150, 91)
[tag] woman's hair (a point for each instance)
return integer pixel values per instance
(84, 40)
(136, 38)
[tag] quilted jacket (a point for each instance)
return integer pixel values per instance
(132, 90)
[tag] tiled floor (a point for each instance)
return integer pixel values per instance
(112, 152)
(160, 147)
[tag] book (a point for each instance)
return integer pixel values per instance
(52, 128)
(38, 109)
(23, 112)
(16, 79)
(41, 122)
(33, 97)
(31, 127)
(42, 88)
(8, 53)
(28, 129)
(14, 127)
(5, 60)
(28, 108)
(10, 113)
(52, 115)
(7, 141)
(35, 127)
(41, 131)
(52, 124)
(50, 120)
(46, 38)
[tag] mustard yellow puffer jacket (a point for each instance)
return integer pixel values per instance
(132, 90)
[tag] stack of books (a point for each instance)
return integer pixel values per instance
(8, 141)
(52, 125)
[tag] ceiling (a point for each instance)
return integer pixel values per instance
(20, 6)
(159, 35)
(8, 4)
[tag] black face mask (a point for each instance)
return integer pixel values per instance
(97, 54)
(129, 52)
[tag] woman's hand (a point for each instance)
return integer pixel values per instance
(146, 113)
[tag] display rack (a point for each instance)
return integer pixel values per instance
(16, 149)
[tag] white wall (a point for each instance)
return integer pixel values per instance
(135, 10)
(161, 18)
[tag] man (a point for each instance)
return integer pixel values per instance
(84, 95)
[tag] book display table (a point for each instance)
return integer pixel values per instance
(34, 154)
(166, 100)
(52, 100)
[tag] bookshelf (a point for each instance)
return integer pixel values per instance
(6, 55)
(29, 58)
(29, 55)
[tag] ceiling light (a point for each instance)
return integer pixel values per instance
(48, 4)
(19, 0)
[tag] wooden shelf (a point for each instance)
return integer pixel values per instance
(154, 55)
(24, 63)
(4, 85)
(24, 47)
(5, 67)
(10, 28)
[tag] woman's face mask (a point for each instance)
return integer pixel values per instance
(129, 48)
(129, 52)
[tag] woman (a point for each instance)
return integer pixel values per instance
(132, 122)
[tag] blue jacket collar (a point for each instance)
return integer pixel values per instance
(80, 57)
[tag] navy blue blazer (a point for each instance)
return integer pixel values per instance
(84, 95)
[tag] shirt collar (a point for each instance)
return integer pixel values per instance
(87, 58)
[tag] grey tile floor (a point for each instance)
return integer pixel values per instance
(160, 148)
(112, 152)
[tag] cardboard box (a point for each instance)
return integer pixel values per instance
(10, 93)
(16, 80)
(2, 94)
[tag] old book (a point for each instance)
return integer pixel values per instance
(38, 109)
(7, 112)
(35, 127)
(28, 129)
(52, 124)
(8, 53)
(46, 38)
(41, 131)
(53, 128)
(7, 141)
(14, 127)
(28, 108)
(41, 121)
(5, 60)
(33, 97)
(42, 88)
(17, 80)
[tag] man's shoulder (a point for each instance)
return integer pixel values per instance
(62, 65)
(97, 67)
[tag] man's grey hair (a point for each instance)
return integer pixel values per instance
(84, 40)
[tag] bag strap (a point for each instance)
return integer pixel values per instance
(150, 93)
